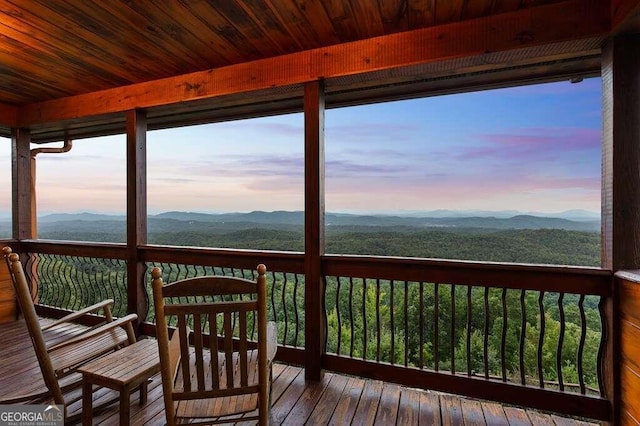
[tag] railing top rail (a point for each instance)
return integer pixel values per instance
(568, 279)
(75, 248)
(232, 258)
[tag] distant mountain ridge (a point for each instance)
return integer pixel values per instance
(286, 219)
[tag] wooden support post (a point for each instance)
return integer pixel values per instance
(137, 300)
(620, 183)
(314, 228)
(24, 225)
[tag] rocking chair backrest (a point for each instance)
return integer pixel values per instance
(210, 354)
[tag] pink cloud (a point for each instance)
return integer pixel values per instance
(534, 143)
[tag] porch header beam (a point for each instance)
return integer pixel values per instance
(8, 115)
(571, 20)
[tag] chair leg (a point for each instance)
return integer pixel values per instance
(87, 402)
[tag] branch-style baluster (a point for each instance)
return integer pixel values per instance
(436, 327)
(406, 323)
(273, 299)
(541, 339)
(378, 320)
(503, 340)
(583, 336)
(469, 330)
(66, 277)
(393, 323)
(283, 291)
(560, 341)
(422, 325)
(295, 308)
(601, 349)
(30, 264)
(56, 298)
(452, 333)
(364, 318)
(485, 343)
(523, 332)
(351, 316)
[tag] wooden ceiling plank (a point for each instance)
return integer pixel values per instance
(15, 31)
(294, 21)
(318, 19)
(17, 87)
(33, 30)
(146, 24)
(138, 37)
(307, 17)
(217, 23)
(203, 37)
(268, 22)
(448, 11)
(52, 82)
(570, 20)
(394, 15)
(341, 15)
(368, 16)
(421, 13)
(477, 8)
(252, 33)
(502, 6)
(83, 42)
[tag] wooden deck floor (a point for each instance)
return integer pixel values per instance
(336, 400)
(342, 400)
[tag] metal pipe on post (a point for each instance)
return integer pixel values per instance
(66, 147)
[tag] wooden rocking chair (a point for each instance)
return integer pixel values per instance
(217, 377)
(62, 346)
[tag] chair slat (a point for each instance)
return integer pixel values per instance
(197, 330)
(228, 348)
(184, 352)
(242, 349)
(213, 347)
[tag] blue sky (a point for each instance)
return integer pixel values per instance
(531, 148)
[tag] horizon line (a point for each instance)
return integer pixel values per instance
(346, 212)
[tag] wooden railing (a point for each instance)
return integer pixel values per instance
(470, 328)
(522, 334)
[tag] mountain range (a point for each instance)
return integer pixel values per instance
(175, 221)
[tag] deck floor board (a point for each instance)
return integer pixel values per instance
(336, 400)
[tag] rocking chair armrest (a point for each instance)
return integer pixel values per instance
(125, 321)
(272, 341)
(105, 304)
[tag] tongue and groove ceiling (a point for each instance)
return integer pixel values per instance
(54, 49)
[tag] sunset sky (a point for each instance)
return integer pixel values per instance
(532, 148)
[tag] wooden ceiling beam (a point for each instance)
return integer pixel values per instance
(8, 115)
(570, 20)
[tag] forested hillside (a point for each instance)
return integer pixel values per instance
(379, 319)
(519, 238)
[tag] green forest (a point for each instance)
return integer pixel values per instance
(506, 334)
